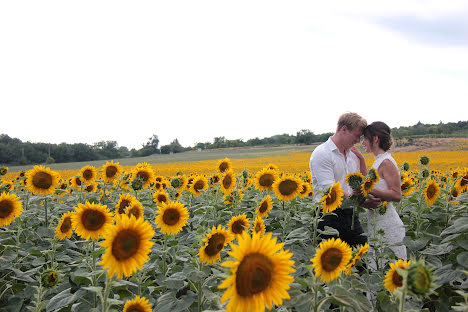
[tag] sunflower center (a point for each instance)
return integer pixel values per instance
(223, 166)
(134, 212)
(397, 280)
(93, 220)
(51, 278)
(238, 227)
(111, 171)
(135, 308)
(215, 244)
(143, 175)
(87, 174)
(227, 181)
(258, 228)
(253, 275)
(266, 180)
(331, 198)
(6, 208)
(162, 198)
(464, 181)
(126, 243)
(263, 207)
(287, 187)
(123, 204)
(331, 259)
(171, 216)
(198, 185)
(431, 190)
(42, 180)
(367, 185)
(404, 186)
(89, 188)
(66, 225)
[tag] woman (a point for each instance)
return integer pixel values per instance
(377, 140)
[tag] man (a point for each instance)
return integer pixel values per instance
(332, 161)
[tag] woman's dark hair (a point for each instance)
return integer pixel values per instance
(382, 131)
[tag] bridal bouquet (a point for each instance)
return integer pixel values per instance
(362, 186)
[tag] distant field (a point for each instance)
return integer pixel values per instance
(232, 153)
(445, 153)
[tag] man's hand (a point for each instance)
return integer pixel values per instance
(371, 202)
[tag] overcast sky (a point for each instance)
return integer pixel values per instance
(89, 71)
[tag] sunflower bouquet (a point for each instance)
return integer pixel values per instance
(361, 186)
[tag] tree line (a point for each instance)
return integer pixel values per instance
(13, 151)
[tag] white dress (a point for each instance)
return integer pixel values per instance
(390, 222)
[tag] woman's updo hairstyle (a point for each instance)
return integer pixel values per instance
(382, 131)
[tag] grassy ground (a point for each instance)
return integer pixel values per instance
(232, 153)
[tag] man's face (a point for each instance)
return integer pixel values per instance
(352, 136)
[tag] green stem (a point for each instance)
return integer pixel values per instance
(45, 209)
(164, 254)
(94, 270)
(402, 300)
(105, 307)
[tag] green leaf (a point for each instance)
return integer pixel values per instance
(462, 259)
(64, 299)
(460, 225)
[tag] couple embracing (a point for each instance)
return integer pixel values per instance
(338, 157)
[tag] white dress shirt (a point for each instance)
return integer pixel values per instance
(327, 165)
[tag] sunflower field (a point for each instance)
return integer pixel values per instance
(227, 236)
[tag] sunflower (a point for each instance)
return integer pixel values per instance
(160, 197)
(330, 259)
(306, 189)
(50, 278)
(179, 182)
(260, 274)
(135, 209)
(88, 174)
(144, 172)
(367, 187)
(362, 250)
(407, 186)
(91, 220)
(64, 228)
(287, 187)
(199, 183)
(215, 242)
(75, 182)
(265, 178)
(111, 171)
(138, 304)
(227, 181)
(91, 187)
(373, 175)
(393, 280)
(125, 200)
(215, 179)
(224, 165)
(127, 245)
(463, 182)
(10, 208)
(41, 180)
(265, 206)
(171, 217)
(420, 278)
(332, 198)
(238, 224)
(247, 182)
(354, 180)
(259, 226)
(431, 192)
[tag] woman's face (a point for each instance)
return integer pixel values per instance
(367, 144)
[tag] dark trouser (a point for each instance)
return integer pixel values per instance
(342, 222)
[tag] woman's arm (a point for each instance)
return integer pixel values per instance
(390, 174)
(362, 161)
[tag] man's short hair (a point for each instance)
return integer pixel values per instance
(351, 121)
